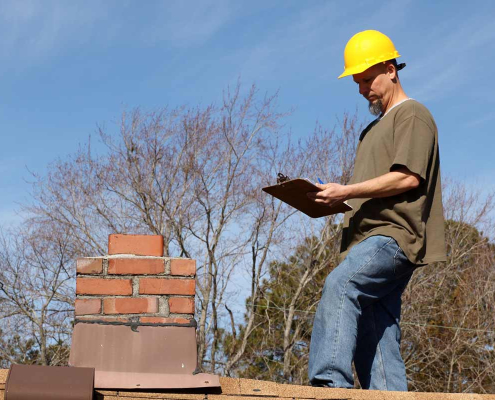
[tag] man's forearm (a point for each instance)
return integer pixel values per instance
(390, 184)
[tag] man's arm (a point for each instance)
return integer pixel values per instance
(398, 181)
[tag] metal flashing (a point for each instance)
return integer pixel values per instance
(29, 382)
(152, 357)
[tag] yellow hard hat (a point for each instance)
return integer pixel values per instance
(366, 49)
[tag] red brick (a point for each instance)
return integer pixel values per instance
(130, 306)
(167, 286)
(183, 266)
(103, 286)
(89, 265)
(160, 320)
(88, 306)
(136, 266)
(181, 305)
(140, 245)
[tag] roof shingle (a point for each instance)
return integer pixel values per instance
(248, 389)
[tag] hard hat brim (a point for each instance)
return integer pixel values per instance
(363, 67)
(354, 70)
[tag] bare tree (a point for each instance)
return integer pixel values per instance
(191, 175)
(36, 295)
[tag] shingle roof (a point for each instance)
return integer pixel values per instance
(248, 389)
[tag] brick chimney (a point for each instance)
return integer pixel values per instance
(135, 283)
(134, 321)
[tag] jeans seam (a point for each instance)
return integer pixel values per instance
(379, 350)
(395, 259)
(337, 336)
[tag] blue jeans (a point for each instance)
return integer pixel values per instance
(358, 319)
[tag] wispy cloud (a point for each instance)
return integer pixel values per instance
(312, 41)
(32, 30)
(297, 40)
(448, 57)
(184, 24)
(486, 117)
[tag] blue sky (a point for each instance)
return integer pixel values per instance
(68, 66)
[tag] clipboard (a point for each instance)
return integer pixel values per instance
(293, 192)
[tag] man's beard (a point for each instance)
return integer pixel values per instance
(375, 107)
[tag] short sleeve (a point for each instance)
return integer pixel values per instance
(414, 142)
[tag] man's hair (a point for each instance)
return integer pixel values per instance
(398, 67)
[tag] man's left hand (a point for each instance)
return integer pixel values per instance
(331, 194)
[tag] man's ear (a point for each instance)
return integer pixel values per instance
(391, 71)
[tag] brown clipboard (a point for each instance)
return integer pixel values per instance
(293, 192)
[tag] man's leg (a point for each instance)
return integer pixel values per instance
(367, 274)
(378, 361)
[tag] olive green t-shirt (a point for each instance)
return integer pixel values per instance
(405, 136)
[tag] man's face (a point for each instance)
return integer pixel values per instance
(374, 84)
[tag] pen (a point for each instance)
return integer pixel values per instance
(320, 181)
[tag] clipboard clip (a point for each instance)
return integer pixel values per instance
(281, 178)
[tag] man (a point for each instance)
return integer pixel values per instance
(395, 226)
